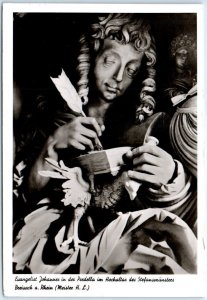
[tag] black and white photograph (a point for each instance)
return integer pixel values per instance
(103, 170)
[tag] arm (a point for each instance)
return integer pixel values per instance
(166, 183)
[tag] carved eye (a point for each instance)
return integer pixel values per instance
(109, 60)
(132, 72)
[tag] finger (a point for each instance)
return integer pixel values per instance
(77, 145)
(146, 158)
(148, 169)
(85, 141)
(61, 145)
(88, 132)
(148, 148)
(92, 135)
(142, 177)
(93, 123)
(129, 154)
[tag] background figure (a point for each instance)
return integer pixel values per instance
(116, 88)
(183, 70)
(183, 97)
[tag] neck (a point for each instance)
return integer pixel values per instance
(98, 109)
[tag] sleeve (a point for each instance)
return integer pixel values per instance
(179, 196)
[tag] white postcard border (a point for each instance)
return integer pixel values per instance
(183, 285)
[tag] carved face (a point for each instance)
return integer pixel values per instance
(116, 66)
(181, 58)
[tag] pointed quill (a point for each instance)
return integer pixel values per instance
(68, 92)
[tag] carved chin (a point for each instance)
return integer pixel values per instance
(110, 95)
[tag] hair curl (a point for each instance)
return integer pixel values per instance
(123, 28)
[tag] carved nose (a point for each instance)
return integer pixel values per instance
(119, 74)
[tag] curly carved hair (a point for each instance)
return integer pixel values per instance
(123, 28)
